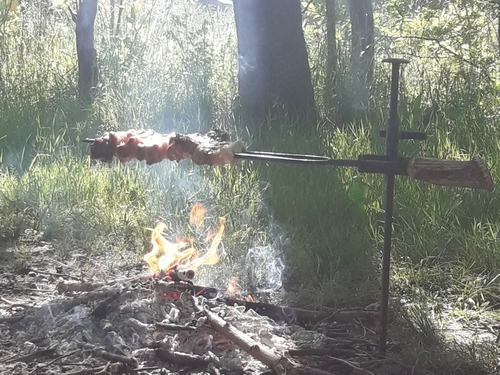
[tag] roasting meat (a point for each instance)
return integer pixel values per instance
(212, 148)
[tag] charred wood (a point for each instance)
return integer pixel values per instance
(305, 317)
(182, 359)
(35, 355)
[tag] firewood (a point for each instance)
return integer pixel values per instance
(182, 359)
(280, 364)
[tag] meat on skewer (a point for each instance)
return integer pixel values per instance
(212, 148)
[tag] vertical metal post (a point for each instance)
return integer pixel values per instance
(391, 150)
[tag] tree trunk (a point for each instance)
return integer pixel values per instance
(274, 75)
(87, 57)
(331, 53)
(362, 50)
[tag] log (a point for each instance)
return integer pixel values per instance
(280, 364)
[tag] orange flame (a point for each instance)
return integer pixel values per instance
(197, 214)
(165, 255)
(233, 288)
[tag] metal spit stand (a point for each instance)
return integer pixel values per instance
(392, 137)
(470, 174)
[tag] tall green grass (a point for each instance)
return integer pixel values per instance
(173, 66)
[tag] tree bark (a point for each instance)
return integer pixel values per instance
(87, 56)
(331, 53)
(274, 75)
(362, 50)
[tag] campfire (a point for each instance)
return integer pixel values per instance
(179, 260)
(160, 321)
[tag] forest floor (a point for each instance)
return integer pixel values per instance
(92, 316)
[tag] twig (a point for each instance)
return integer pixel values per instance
(88, 371)
(174, 327)
(53, 361)
(38, 354)
(13, 305)
(55, 274)
(99, 370)
(322, 352)
(182, 359)
(100, 352)
(7, 301)
(357, 369)
(306, 7)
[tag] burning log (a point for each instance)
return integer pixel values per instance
(212, 148)
(177, 275)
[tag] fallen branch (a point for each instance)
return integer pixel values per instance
(280, 364)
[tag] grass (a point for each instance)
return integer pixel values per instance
(172, 66)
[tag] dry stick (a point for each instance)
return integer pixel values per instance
(174, 327)
(30, 357)
(280, 364)
(7, 301)
(182, 359)
(357, 369)
(13, 305)
(55, 274)
(89, 371)
(53, 361)
(99, 370)
(322, 352)
(100, 352)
